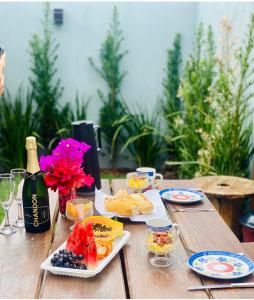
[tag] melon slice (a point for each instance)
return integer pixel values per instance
(104, 228)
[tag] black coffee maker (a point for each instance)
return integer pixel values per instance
(85, 131)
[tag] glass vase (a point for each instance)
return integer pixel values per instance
(64, 197)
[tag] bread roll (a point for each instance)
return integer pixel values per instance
(128, 205)
(145, 206)
(121, 207)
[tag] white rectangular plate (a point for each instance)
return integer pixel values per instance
(118, 243)
(152, 195)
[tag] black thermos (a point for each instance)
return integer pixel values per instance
(85, 131)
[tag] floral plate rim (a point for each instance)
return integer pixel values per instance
(241, 257)
(200, 194)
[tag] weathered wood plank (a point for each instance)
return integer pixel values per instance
(21, 256)
(108, 284)
(249, 249)
(146, 281)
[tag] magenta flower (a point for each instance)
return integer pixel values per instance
(63, 167)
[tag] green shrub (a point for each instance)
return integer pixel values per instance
(170, 103)
(46, 88)
(112, 103)
(17, 121)
(197, 79)
(227, 148)
(1, 215)
(54, 118)
(141, 136)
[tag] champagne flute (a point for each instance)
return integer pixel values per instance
(19, 177)
(6, 198)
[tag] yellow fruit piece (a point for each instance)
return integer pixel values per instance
(71, 210)
(104, 228)
(87, 206)
(137, 183)
(101, 251)
(103, 248)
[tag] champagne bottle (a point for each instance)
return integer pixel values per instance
(35, 193)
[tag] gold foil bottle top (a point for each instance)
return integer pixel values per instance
(31, 143)
(32, 159)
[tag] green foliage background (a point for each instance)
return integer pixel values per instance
(17, 121)
(170, 102)
(140, 134)
(227, 148)
(197, 78)
(112, 108)
(46, 88)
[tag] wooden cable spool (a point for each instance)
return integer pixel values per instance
(227, 194)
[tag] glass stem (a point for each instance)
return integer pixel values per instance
(7, 220)
(20, 212)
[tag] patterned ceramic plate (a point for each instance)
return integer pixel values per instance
(181, 195)
(221, 264)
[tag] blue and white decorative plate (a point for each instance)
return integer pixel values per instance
(221, 264)
(183, 196)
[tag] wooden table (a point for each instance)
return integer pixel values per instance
(227, 194)
(130, 274)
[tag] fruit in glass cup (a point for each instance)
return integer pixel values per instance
(160, 242)
(137, 181)
(79, 209)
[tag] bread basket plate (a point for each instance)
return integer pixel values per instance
(152, 195)
(118, 243)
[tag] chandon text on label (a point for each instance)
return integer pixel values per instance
(35, 210)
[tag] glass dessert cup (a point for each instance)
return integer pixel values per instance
(78, 209)
(137, 181)
(161, 238)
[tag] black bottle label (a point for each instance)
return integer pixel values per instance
(36, 203)
(36, 215)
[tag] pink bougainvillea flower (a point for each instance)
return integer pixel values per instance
(63, 169)
(72, 148)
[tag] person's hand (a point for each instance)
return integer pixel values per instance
(2, 65)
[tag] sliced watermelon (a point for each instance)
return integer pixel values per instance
(91, 250)
(81, 241)
(76, 241)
